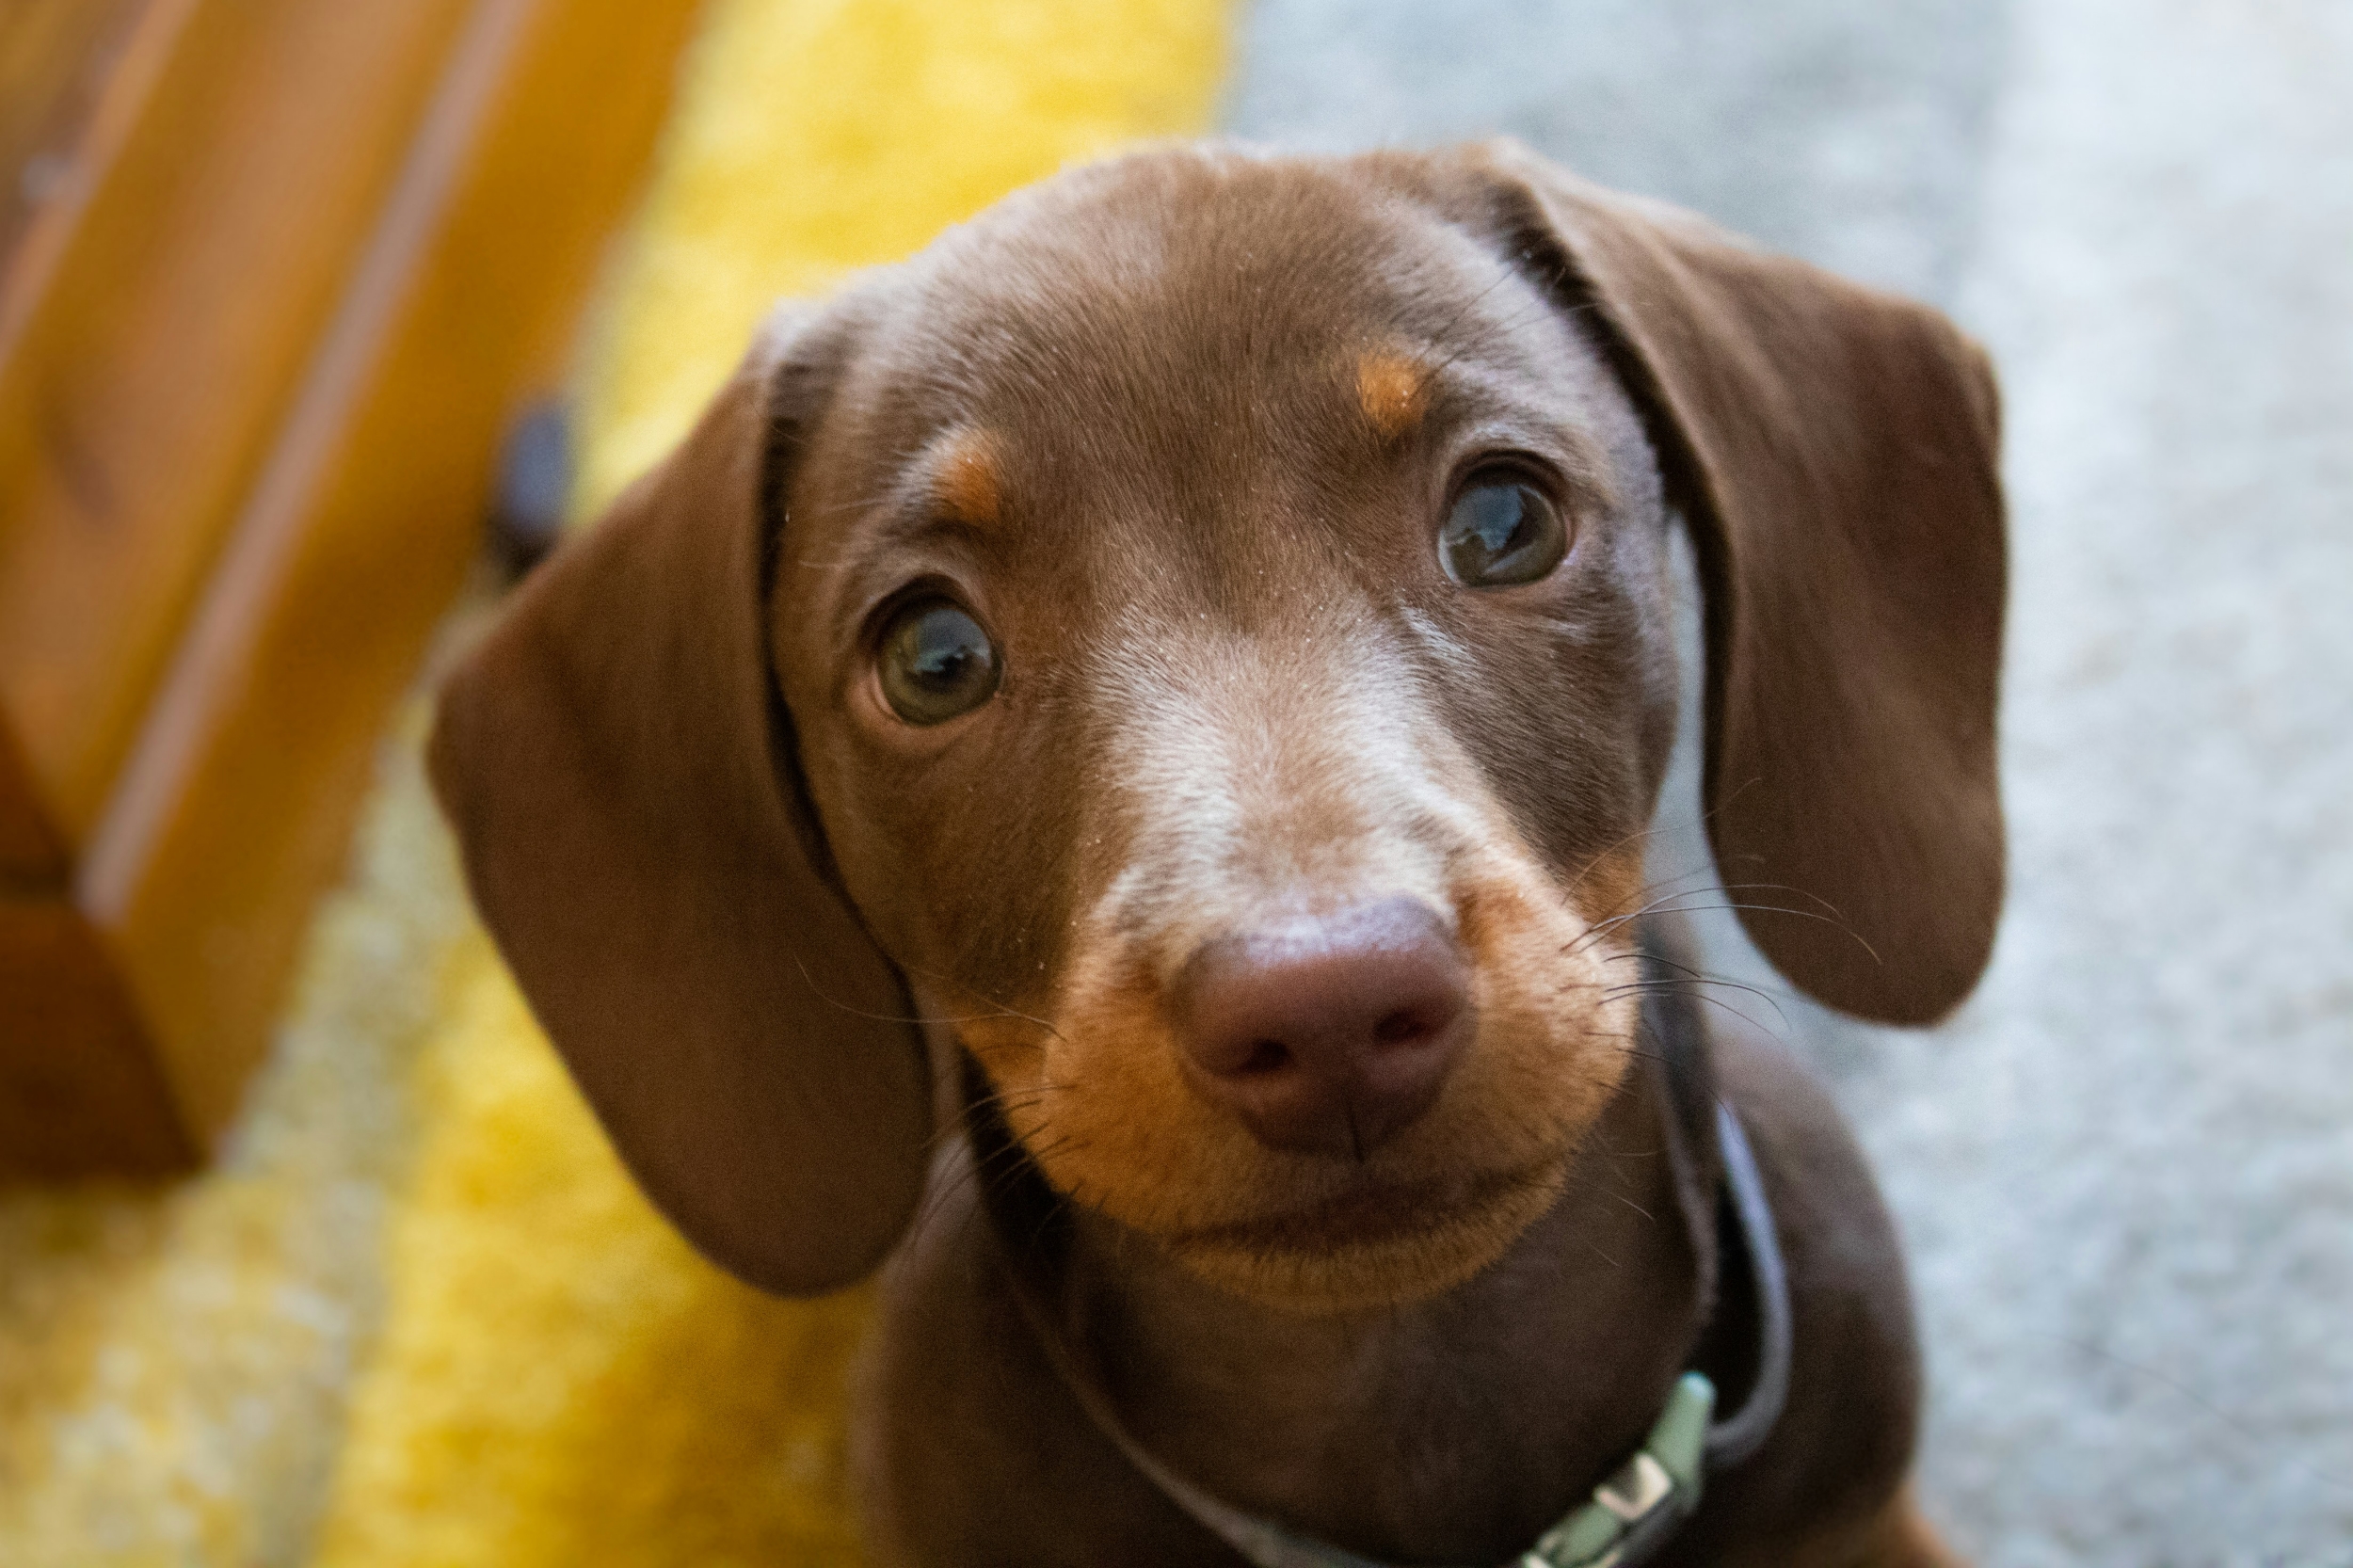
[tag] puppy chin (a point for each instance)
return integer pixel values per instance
(1408, 1263)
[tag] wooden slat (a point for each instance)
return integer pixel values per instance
(234, 808)
(149, 352)
(56, 59)
(30, 854)
(79, 1093)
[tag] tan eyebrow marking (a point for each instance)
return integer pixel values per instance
(967, 480)
(1390, 389)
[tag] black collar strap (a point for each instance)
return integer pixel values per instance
(1628, 1517)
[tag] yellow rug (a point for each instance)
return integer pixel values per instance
(817, 136)
(560, 1380)
(419, 1315)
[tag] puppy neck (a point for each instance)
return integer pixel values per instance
(1453, 1427)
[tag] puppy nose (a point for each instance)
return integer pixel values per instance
(1326, 1035)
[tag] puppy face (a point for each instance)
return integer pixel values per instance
(1141, 589)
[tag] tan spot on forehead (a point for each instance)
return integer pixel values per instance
(1389, 387)
(969, 482)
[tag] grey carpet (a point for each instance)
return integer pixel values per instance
(2125, 1170)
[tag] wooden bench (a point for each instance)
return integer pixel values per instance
(275, 278)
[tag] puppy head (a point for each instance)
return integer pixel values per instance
(1201, 629)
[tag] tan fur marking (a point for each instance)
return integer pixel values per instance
(968, 483)
(1389, 387)
(1610, 887)
(1901, 1537)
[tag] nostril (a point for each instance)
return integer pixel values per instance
(1266, 1056)
(1401, 1026)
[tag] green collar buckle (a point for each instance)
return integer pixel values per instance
(1649, 1495)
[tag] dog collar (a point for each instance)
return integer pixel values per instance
(1629, 1515)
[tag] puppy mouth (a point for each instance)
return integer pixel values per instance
(1366, 1215)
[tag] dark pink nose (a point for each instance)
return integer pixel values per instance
(1331, 1034)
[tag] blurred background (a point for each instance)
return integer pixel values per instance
(308, 1252)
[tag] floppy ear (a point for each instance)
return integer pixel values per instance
(1833, 451)
(622, 775)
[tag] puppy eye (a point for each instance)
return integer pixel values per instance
(1500, 530)
(935, 663)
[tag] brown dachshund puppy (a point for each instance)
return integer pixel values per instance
(1168, 688)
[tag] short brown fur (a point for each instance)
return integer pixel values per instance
(1239, 685)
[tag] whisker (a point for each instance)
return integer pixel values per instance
(978, 1170)
(1610, 849)
(1636, 1207)
(1618, 914)
(1699, 978)
(1004, 1010)
(897, 1018)
(1668, 904)
(1717, 1001)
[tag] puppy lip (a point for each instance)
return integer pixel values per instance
(1375, 1212)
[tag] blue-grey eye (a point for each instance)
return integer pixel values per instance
(1501, 530)
(935, 663)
